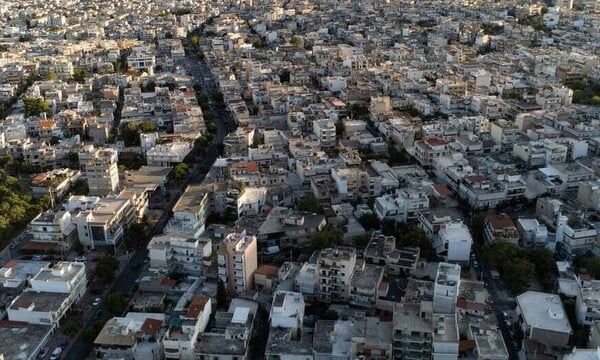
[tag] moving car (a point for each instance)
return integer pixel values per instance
(96, 302)
(43, 353)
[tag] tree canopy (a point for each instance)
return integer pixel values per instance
(309, 203)
(115, 303)
(180, 172)
(326, 239)
(35, 106)
(106, 268)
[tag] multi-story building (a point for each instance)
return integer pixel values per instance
(542, 318)
(135, 336)
(287, 228)
(446, 287)
(53, 291)
(325, 132)
(365, 284)
(588, 194)
(413, 331)
(168, 154)
(237, 261)
(576, 235)
(190, 211)
(55, 229)
(102, 224)
(454, 242)
(181, 338)
(335, 269)
(382, 250)
(504, 133)
(174, 252)
(428, 150)
(99, 166)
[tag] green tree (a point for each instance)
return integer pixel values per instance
(340, 128)
(296, 40)
(148, 127)
(79, 75)
(135, 236)
(51, 75)
(78, 247)
(326, 239)
(180, 172)
(330, 315)
(35, 106)
(593, 266)
(222, 300)
(397, 158)
(211, 127)
(6, 160)
(89, 334)
(106, 268)
(80, 187)
(309, 203)
(129, 133)
(115, 303)
(369, 221)
(517, 274)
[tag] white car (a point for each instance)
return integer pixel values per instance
(56, 353)
(81, 258)
(96, 302)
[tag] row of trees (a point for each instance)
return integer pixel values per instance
(518, 266)
(129, 132)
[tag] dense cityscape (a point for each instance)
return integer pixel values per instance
(297, 180)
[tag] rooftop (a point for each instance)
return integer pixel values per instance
(30, 337)
(544, 311)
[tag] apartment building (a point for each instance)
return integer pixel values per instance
(428, 150)
(335, 269)
(382, 250)
(504, 133)
(237, 261)
(542, 318)
(325, 132)
(54, 229)
(287, 228)
(454, 242)
(181, 339)
(175, 252)
(135, 336)
(53, 291)
(168, 154)
(446, 288)
(99, 166)
(103, 222)
(413, 331)
(190, 211)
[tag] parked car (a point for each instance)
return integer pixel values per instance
(56, 353)
(96, 302)
(81, 258)
(37, 258)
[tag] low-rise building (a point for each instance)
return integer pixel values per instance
(500, 228)
(173, 252)
(454, 242)
(543, 319)
(180, 340)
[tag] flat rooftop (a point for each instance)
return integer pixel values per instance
(41, 301)
(210, 343)
(543, 311)
(280, 342)
(192, 198)
(29, 338)
(15, 272)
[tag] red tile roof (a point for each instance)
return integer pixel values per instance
(151, 326)
(499, 221)
(196, 306)
(270, 271)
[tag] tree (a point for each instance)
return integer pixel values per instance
(6, 160)
(369, 221)
(340, 128)
(180, 172)
(296, 40)
(115, 303)
(397, 158)
(51, 75)
(593, 267)
(106, 268)
(517, 274)
(135, 236)
(35, 106)
(545, 264)
(80, 187)
(211, 127)
(222, 301)
(89, 334)
(362, 241)
(326, 239)
(309, 203)
(79, 75)
(129, 133)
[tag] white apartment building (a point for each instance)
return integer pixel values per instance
(190, 212)
(542, 318)
(181, 338)
(141, 59)
(455, 242)
(445, 289)
(55, 228)
(287, 311)
(237, 261)
(251, 201)
(504, 133)
(168, 154)
(174, 252)
(325, 132)
(402, 205)
(335, 269)
(99, 166)
(428, 150)
(103, 223)
(53, 291)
